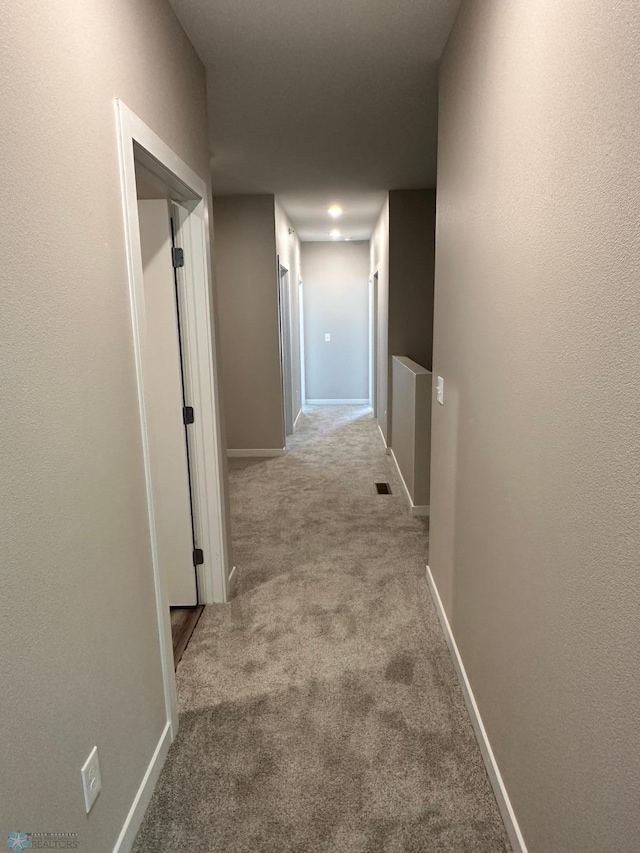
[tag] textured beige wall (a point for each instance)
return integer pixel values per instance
(247, 288)
(402, 247)
(412, 222)
(79, 648)
(535, 531)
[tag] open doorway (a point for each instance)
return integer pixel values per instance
(286, 349)
(165, 209)
(303, 384)
(373, 345)
(170, 415)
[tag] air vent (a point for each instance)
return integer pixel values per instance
(383, 488)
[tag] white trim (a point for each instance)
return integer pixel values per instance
(295, 423)
(143, 796)
(372, 342)
(266, 452)
(233, 577)
(208, 458)
(359, 402)
(417, 510)
(303, 378)
(384, 440)
(493, 771)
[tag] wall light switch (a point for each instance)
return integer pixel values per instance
(91, 781)
(440, 390)
(327, 336)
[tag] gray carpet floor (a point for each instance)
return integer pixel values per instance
(320, 710)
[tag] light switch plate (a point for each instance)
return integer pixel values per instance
(91, 781)
(327, 336)
(440, 390)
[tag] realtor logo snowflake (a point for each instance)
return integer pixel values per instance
(18, 841)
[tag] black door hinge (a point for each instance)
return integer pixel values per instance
(187, 415)
(198, 557)
(177, 255)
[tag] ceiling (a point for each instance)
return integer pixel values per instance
(321, 101)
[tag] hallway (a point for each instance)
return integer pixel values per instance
(320, 710)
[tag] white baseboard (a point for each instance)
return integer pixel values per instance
(365, 402)
(141, 800)
(497, 783)
(295, 423)
(417, 510)
(231, 584)
(266, 452)
(384, 440)
(420, 511)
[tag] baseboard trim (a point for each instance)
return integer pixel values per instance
(493, 771)
(384, 440)
(264, 452)
(365, 402)
(141, 800)
(231, 583)
(420, 510)
(417, 510)
(295, 423)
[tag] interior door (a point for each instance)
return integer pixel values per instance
(164, 407)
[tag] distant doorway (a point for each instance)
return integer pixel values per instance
(286, 349)
(373, 346)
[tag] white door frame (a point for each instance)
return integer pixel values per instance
(373, 342)
(137, 141)
(303, 381)
(284, 300)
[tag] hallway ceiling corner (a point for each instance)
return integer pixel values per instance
(321, 103)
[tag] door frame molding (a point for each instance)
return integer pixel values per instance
(374, 282)
(303, 380)
(286, 353)
(138, 142)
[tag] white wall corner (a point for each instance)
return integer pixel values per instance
(493, 771)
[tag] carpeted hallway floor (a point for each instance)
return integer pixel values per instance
(320, 711)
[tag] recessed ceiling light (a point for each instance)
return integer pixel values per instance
(335, 210)
(334, 233)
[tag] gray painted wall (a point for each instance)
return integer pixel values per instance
(80, 653)
(247, 287)
(402, 250)
(536, 452)
(336, 300)
(412, 231)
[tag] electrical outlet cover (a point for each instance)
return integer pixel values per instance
(91, 781)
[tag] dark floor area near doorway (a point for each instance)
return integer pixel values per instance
(183, 623)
